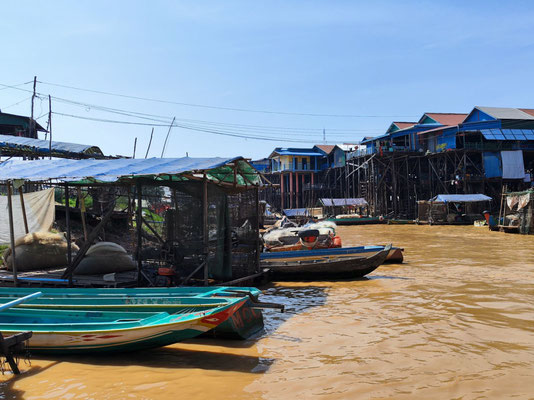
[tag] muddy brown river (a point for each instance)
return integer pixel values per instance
(455, 321)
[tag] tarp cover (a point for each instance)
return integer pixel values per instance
(492, 164)
(461, 198)
(512, 164)
(296, 212)
(343, 202)
(43, 146)
(218, 169)
(40, 212)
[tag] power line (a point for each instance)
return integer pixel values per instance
(192, 128)
(223, 108)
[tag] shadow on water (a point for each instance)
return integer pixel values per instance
(173, 358)
(6, 387)
(297, 299)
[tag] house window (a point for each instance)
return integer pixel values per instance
(304, 163)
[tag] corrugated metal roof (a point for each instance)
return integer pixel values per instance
(461, 198)
(403, 125)
(218, 169)
(43, 146)
(505, 113)
(529, 111)
(297, 152)
(327, 148)
(343, 202)
(447, 118)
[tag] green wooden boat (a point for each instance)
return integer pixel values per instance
(67, 331)
(244, 323)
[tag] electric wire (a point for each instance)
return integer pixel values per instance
(220, 107)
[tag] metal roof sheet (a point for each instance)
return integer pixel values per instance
(447, 118)
(296, 212)
(461, 198)
(343, 202)
(108, 171)
(43, 146)
(505, 113)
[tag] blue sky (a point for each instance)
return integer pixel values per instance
(375, 61)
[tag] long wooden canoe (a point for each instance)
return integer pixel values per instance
(319, 266)
(59, 331)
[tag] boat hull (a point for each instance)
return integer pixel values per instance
(357, 221)
(395, 254)
(342, 267)
(92, 338)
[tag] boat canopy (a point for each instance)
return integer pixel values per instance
(236, 171)
(14, 145)
(359, 202)
(461, 198)
(297, 212)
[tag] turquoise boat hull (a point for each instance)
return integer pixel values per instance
(69, 332)
(246, 322)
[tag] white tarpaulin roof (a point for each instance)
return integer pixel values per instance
(461, 198)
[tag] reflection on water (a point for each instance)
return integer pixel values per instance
(453, 322)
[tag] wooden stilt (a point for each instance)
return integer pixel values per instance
(205, 227)
(139, 226)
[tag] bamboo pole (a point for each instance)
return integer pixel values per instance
(23, 208)
(12, 233)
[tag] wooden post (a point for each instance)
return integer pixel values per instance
(67, 222)
(257, 193)
(82, 211)
(297, 189)
(281, 191)
(291, 190)
(139, 223)
(50, 126)
(32, 121)
(167, 137)
(12, 233)
(205, 227)
(135, 147)
(23, 207)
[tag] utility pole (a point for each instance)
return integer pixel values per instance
(324, 136)
(50, 124)
(32, 122)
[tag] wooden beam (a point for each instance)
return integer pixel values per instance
(67, 222)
